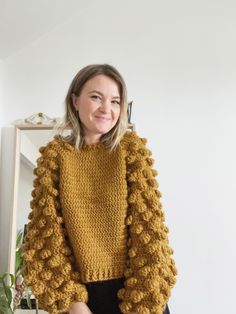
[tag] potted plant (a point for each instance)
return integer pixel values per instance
(12, 287)
(6, 293)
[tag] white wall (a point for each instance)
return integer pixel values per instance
(2, 117)
(1, 88)
(178, 59)
(6, 190)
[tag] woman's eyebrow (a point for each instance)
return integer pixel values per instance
(95, 91)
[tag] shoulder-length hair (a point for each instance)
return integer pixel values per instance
(71, 120)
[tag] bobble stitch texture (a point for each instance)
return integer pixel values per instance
(149, 254)
(45, 251)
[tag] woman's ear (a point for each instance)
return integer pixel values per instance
(74, 98)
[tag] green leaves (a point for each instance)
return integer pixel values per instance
(4, 307)
(19, 254)
(6, 292)
(8, 282)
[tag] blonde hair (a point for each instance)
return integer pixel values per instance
(71, 119)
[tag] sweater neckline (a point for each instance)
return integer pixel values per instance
(84, 147)
(92, 146)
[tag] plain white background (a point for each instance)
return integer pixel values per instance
(178, 60)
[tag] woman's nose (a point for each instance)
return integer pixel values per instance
(105, 105)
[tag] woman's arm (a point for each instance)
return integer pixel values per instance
(150, 272)
(79, 308)
(48, 259)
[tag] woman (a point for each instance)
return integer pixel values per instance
(97, 242)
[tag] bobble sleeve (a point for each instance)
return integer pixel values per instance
(48, 259)
(150, 270)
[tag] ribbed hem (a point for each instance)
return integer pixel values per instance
(101, 274)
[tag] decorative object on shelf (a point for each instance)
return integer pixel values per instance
(39, 118)
(129, 110)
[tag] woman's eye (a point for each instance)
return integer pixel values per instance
(98, 97)
(95, 97)
(117, 102)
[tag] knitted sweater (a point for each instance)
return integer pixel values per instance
(96, 215)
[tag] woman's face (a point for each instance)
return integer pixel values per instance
(98, 105)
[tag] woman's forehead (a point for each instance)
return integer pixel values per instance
(102, 84)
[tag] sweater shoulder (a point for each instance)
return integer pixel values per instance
(55, 147)
(132, 141)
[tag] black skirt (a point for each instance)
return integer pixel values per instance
(103, 296)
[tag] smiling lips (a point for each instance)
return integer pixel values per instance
(102, 118)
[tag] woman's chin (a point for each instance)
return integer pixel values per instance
(103, 128)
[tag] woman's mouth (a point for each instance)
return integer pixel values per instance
(102, 118)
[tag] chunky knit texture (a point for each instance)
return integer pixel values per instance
(150, 270)
(95, 216)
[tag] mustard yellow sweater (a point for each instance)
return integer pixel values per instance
(95, 216)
